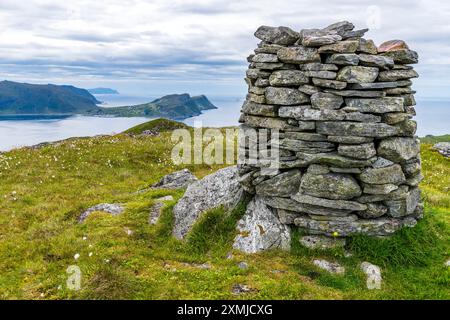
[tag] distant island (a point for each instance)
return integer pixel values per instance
(32, 99)
(103, 91)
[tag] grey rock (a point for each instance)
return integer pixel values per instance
(265, 57)
(399, 91)
(317, 39)
(271, 123)
(443, 148)
(298, 54)
(221, 188)
(406, 128)
(376, 130)
(387, 175)
(260, 229)
(317, 169)
(242, 288)
(332, 84)
(357, 93)
(361, 151)
(344, 59)
(395, 117)
(260, 82)
(285, 96)
(367, 46)
(259, 109)
(380, 105)
(321, 242)
(374, 210)
(332, 267)
(288, 78)
(373, 85)
(399, 149)
(414, 181)
(294, 208)
(243, 265)
(281, 185)
(355, 33)
(348, 46)
(339, 28)
(256, 98)
(408, 100)
(400, 193)
(403, 56)
(405, 206)
(265, 47)
(373, 273)
(329, 203)
(176, 180)
(256, 73)
(317, 66)
(321, 74)
(394, 75)
(308, 89)
(306, 113)
(379, 188)
(322, 100)
(375, 61)
(296, 145)
(330, 186)
(345, 170)
(111, 208)
(277, 35)
(362, 117)
(411, 169)
(257, 90)
(331, 159)
(306, 136)
(349, 139)
(156, 209)
(356, 74)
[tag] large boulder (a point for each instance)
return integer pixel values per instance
(330, 186)
(177, 180)
(221, 188)
(260, 229)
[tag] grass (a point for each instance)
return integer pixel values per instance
(44, 190)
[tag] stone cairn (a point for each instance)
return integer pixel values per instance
(348, 157)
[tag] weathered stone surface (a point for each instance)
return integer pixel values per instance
(349, 139)
(399, 91)
(318, 38)
(345, 170)
(360, 151)
(443, 148)
(285, 96)
(306, 113)
(404, 207)
(355, 33)
(400, 193)
(356, 74)
(298, 208)
(330, 186)
(288, 78)
(265, 47)
(156, 209)
(260, 82)
(256, 73)
(371, 227)
(395, 117)
(321, 242)
(221, 188)
(306, 136)
(177, 180)
(377, 130)
(394, 75)
(111, 208)
(399, 149)
(380, 105)
(277, 35)
(344, 59)
(403, 56)
(256, 98)
(339, 28)
(374, 210)
(283, 185)
(373, 85)
(317, 169)
(362, 117)
(321, 74)
(379, 188)
(297, 145)
(298, 54)
(392, 45)
(348, 46)
(332, 267)
(258, 109)
(270, 66)
(317, 66)
(265, 57)
(260, 229)
(331, 159)
(332, 84)
(373, 273)
(272, 123)
(357, 93)
(387, 175)
(367, 46)
(308, 89)
(329, 203)
(257, 90)
(406, 128)
(375, 61)
(322, 100)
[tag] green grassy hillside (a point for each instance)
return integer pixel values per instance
(43, 191)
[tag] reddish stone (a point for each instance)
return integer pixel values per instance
(392, 45)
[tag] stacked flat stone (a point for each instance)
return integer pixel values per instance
(348, 156)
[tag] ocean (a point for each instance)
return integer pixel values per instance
(433, 117)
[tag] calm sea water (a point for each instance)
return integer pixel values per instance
(433, 117)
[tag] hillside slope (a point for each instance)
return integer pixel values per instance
(24, 98)
(44, 190)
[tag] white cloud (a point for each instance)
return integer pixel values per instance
(190, 40)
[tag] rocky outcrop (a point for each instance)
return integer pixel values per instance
(260, 229)
(221, 188)
(336, 113)
(111, 208)
(443, 148)
(177, 180)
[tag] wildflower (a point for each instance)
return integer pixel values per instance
(335, 234)
(90, 254)
(76, 256)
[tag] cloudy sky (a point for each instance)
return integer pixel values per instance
(157, 46)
